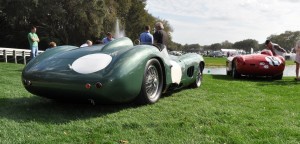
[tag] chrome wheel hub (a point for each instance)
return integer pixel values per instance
(152, 81)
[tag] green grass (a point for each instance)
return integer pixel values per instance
(223, 110)
(221, 62)
(289, 62)
(215, 61)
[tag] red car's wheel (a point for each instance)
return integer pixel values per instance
(278, 77)
(234, 72)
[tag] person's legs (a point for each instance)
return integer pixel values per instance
(34, 51)
(297, 71)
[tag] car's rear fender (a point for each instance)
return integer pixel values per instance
(49, 53)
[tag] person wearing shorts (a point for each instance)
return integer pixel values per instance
(297, 59)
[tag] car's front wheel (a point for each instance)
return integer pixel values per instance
(235, 73)
(199, 77)
(278, 77)
(152, 83)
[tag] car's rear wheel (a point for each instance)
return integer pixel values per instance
(152, 83)
(234, 72)
(199, 77)
(278, 77)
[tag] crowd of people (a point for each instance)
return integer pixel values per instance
(34, 40)
(159, 38)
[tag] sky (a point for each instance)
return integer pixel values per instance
(206, 22)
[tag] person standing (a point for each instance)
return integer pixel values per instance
(161, 39)
(297, 59)
(108, 38)
(33, 40)
(51, 45)
(146, 37)
(275, 48)
(160, 36)
(88, 43)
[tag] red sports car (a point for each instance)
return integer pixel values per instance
(263, 64)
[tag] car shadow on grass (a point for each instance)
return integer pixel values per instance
(49, 111)
(263, 81)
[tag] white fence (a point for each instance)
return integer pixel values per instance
(15, 54)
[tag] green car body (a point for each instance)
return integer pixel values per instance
(117, 72)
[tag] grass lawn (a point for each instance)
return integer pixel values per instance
(221, 61)
(223, 110)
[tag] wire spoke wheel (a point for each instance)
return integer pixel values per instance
(152, 84)
(152, 81)
(199, 77)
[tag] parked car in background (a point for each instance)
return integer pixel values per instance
(216, 54)
(176, 53)
(291, 55)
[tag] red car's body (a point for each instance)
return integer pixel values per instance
(263, 64)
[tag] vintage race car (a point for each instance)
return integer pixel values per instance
(263, 64)
(117, 72)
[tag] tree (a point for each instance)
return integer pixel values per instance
(286, 40)
(15, 16)
(173, 46)
(215, 47)
(66, 22)
(137, 18)
(72, 22)
(226, 44)
(247, 45)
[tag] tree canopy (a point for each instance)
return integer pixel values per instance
(247, 45)
(71, 22)
(286, 40)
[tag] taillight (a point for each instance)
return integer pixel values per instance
(98, 85)
(87, 86)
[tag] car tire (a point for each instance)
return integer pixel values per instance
(152, 83)
(199, 77)
(278, 77)
(228, 72)
(234, 72)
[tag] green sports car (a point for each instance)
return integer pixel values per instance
(113, 73)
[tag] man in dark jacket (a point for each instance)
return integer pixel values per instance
(160, 36)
